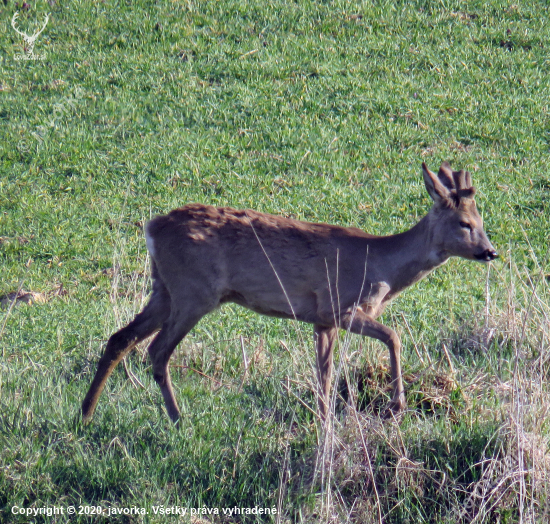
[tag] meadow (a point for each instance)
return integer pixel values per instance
(321, 111)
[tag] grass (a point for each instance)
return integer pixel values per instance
(320, 111)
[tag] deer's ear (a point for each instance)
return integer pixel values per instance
(437, 190)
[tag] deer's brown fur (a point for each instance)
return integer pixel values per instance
(330, 276)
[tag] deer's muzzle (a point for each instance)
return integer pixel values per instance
(487, 255)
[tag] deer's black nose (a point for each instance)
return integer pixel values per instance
(487, 255)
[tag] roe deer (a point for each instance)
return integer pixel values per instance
(330, 276)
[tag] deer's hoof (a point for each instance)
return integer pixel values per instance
(395, 409)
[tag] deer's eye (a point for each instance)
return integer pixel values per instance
(465, 225)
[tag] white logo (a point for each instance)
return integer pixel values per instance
(29, 40)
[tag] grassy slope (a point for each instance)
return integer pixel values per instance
(301, 109)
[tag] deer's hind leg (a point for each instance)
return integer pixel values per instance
(183, 317)
(124, 340)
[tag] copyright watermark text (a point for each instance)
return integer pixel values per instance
(107, 511)
(48, 511)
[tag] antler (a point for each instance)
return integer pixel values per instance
(44, 26)
(15, 16)
(25, 35)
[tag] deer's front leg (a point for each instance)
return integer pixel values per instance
(324, 345)
(360, 323)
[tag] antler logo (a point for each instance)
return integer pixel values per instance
(29, 40)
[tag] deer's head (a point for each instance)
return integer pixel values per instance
(457, 226)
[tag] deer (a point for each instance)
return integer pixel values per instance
(330, 276)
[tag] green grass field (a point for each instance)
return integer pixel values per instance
(322, 111)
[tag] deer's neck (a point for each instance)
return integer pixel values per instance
(413, 255)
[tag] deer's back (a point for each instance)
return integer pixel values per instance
(201, 226)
